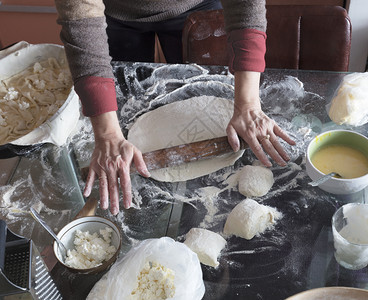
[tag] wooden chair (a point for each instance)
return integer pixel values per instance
(311, 37)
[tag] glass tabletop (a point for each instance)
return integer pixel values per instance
(296, 255)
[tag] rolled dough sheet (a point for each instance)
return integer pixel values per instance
(191, 120)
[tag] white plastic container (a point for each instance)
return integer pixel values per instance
(56, 129)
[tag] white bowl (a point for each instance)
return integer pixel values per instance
(334, 185)
(91, 224)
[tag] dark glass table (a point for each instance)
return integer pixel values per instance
(295, 256)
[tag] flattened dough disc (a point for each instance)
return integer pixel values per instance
(182, 122)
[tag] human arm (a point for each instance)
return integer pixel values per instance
(84, 37)
(252, 124)
(247, 46)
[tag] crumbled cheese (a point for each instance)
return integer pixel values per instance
(23, 105)
(91, 250)
(155, 281)
(11, 94)
(37, 68)
(40, 84)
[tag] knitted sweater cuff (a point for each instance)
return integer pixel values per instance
(97, 95)
(247, 48)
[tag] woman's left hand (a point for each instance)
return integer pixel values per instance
(251, 124)
(261, 134)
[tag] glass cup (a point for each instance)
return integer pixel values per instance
(350, 234)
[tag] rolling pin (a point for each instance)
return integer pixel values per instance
(185, 153)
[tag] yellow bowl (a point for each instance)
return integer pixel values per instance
(92, 224)
(334, 185)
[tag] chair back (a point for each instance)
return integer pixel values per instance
(308, 37)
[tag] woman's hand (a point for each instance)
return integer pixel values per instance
(250, 123)
(111, 161)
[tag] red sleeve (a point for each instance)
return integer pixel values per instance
(97, 95)
(247, 48)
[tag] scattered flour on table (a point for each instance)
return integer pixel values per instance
(158, 90)
(13, 205)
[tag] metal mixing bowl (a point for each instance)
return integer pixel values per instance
(91, 224)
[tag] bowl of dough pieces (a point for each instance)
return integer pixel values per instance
(93, 245)
(37, 101)
(344, 152)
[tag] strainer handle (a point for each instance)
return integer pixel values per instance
(37, 217)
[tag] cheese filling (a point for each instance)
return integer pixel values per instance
(155, 281)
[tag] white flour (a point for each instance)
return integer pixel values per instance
(212, 196)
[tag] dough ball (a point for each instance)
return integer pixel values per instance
(255, 181)
(206, 244)
(350, 103)
(249, 218)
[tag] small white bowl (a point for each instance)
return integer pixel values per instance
(334, 185)
(91, 224)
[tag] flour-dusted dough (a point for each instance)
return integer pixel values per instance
(350, 104)
(31, 97)
(182, 122)
(249, 218)
(255, 181)
(206, 244)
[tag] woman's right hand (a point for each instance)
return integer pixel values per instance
(111, 161)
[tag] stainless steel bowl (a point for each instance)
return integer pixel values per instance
(91, 224)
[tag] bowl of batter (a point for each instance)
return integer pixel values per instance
(344, 152)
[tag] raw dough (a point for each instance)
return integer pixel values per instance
(350, 104)
(250, 218)
(31, 97)
(181, 122)
(255, 181)
(206, 244)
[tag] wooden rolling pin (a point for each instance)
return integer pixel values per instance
(185, 153)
